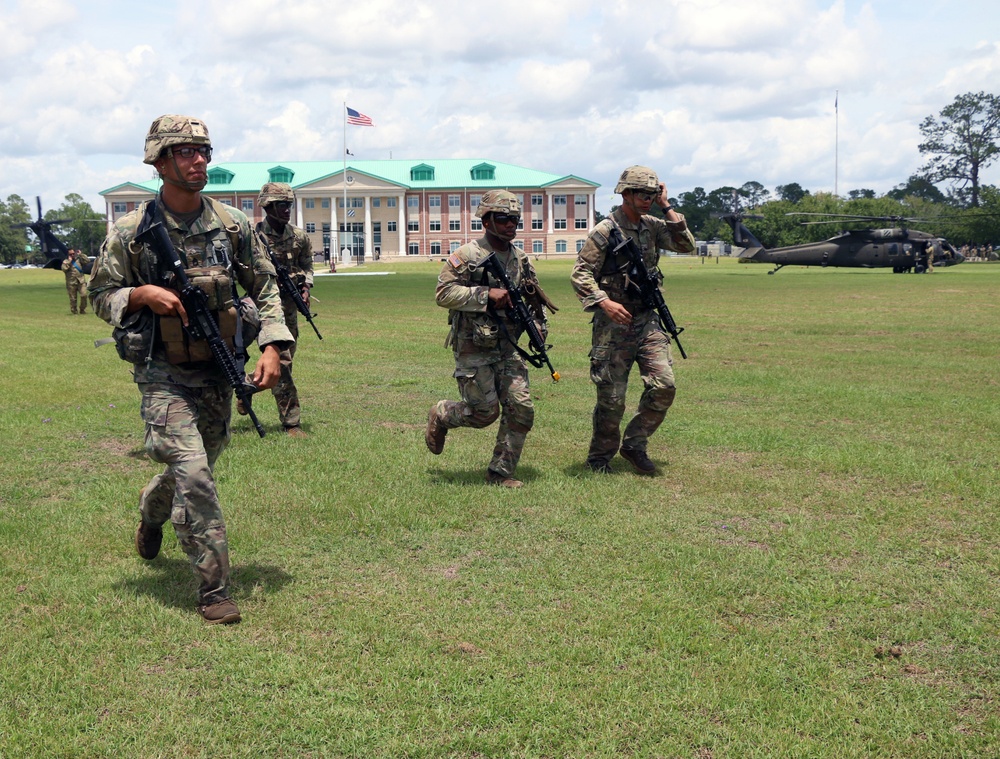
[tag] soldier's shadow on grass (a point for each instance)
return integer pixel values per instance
(444, 476)
(172, 582)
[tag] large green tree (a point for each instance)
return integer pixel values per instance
(84, 228)
(13, 240)
(962, 141)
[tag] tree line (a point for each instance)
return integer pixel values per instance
(83, 228)
(958, 144)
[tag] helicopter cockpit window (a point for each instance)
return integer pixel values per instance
(893, 249)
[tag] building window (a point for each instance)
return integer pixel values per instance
(474, 201)
(477, 225)
(536, 224)
(484, 171)
(454, 225)
(119, 207)
(580, 244)
(325, 203)
(434, 225)
(413, 249)
(377, 232)
(536, 200)
(413, 202)
(560, 246)
(422, 173)
(435, 249)
(519, 244)
(559, 200)
(310, 202)
(280, 174)
(357, 202)
(579, 223)
(390, 226)
(559, 223)
(453, 246)
(537, 247)
(454, 202)
(390, 202)
(520, 224)
(326, 229)
(413, 225)
(376, 202)
(220, 176)
(580, 200)
(246, 205)
(310, 227)
(434, 201)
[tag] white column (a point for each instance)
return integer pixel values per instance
(591, 203)
(549, 223)
(401, 202)
(334, 234)
(298, 213)
(369, 249)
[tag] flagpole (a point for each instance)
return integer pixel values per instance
(836, 145)
(344, 176)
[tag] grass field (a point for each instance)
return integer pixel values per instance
(813, 573)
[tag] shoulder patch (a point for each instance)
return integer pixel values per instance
(455, 260)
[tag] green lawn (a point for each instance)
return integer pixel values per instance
(813, 573)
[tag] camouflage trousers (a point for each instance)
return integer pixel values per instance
(615, 349)
(285, 393)
(186, 429)
(77, 290)
(494, 390)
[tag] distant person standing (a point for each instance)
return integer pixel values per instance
(292, 248)
(186, 397)
(75, 268)
(626, 331)
(492, 376)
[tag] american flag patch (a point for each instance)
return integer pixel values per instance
(454, 260)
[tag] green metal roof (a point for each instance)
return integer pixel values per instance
(449, 173)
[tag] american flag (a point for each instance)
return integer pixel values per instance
(358, 119)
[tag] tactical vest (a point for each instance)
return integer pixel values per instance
(613, 277)
(216, 281)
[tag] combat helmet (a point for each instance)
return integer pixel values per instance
(498, 201)
(275, 192)
(171, 130)
(640, 178)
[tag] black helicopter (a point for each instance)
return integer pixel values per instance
(54, 250)
(897, 247)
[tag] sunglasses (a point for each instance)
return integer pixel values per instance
(506, 218)
(188, 151)
(280, 205)
(645, 194)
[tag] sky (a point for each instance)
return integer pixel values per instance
(826, 93)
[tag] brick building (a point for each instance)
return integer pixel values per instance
(399, 207)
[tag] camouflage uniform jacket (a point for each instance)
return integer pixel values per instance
(74, 270)
(596, 279)
(124, 265)
(291, 247)
(461, 289)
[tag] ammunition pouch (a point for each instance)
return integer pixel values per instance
(134, 339)
(178, 346)
(485, 333)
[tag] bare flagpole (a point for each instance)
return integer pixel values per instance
(836, 144)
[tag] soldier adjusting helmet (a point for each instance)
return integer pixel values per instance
(170, 130)
(498, 201)
(640, 178)
(275, 192)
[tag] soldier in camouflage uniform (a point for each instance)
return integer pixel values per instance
(625, 331)
(292, 247)
(492, 376)
(186, 400)
(75, 267)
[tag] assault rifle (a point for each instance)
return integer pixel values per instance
(646, 283)
(287, 286)
(522, 317)
(201, 323)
